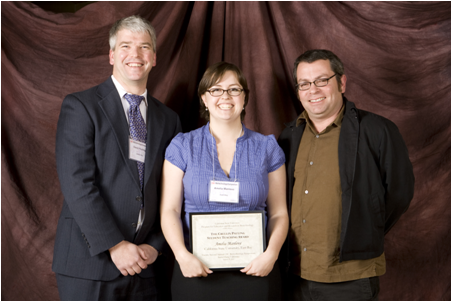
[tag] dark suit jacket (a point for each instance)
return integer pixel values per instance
(100, 184)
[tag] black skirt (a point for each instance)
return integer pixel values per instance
(226, 286)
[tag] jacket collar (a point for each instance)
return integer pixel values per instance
(350, 109)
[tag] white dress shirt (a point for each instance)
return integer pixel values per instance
(125, 103)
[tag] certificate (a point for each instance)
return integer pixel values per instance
(227, 240)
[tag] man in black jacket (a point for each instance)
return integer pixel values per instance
(349, 181)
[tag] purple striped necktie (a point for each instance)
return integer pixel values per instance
(137, 126)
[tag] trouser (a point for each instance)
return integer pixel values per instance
(131, 288)
(366, 289)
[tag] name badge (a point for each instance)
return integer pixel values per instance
(224, 191)
(137, 150)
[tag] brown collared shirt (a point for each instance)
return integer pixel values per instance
(317, 209)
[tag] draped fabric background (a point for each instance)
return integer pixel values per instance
(397, 60)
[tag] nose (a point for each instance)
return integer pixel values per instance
(313, 89)
(225, 95)
(134, 51)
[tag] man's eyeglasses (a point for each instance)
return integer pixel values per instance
(231, 91)
(319, 83)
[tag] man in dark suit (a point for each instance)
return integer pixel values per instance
(110, 147)
(349, 179)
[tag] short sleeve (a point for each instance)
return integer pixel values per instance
(176, 153)
(275, 155)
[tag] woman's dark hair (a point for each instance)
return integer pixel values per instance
(213, 75)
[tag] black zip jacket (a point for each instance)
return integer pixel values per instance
(376, 174)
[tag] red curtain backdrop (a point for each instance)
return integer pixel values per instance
(397, 60)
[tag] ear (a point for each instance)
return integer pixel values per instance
(111, 55)
(155, 60)
(343, 83)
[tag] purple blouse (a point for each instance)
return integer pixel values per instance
(256, 156)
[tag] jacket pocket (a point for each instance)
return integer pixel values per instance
(377, 204)
(79, 245)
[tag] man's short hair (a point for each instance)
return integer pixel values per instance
(135, 24)
(313, 55)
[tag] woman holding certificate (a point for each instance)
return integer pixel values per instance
(224, 167)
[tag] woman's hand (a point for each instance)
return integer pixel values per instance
(261, 266)
(191, 266)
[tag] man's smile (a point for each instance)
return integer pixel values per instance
(134, 64)
(317, 100)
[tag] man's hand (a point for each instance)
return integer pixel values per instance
(150, 252)
(129, 258)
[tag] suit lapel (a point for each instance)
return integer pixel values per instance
(114, 112)
(155, 126)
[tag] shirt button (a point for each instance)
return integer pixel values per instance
(304, 220)
(311, 163)
(304, 249)
(317, 136)
(306, 192)
(134, 225)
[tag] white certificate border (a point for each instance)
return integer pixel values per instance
(262, 214)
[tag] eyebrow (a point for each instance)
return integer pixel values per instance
(228, 86)
(323, 75)
(130, 42)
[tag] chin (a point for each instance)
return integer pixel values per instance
(135, 78)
